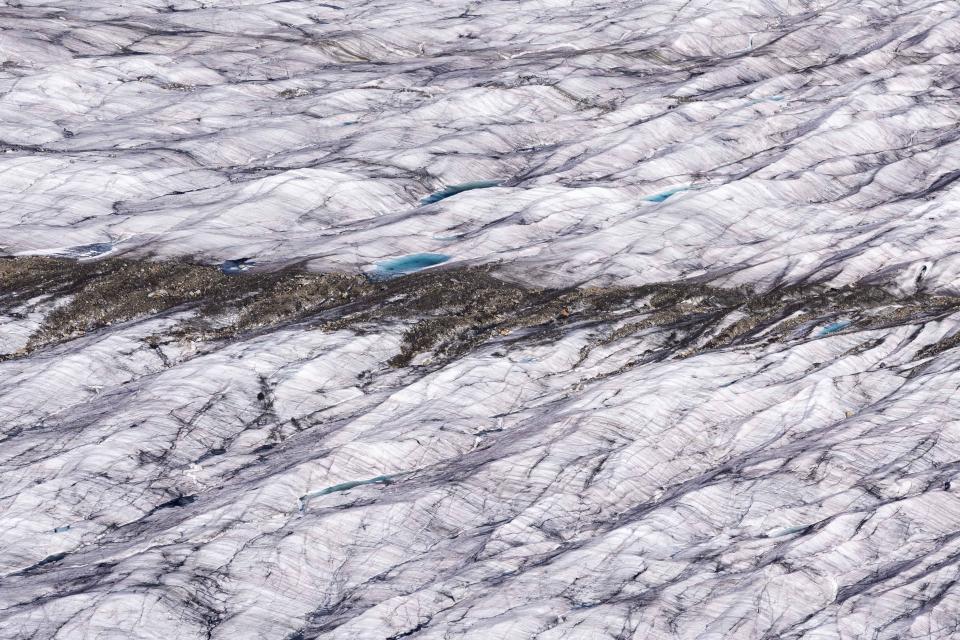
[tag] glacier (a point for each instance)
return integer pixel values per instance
(519, 319)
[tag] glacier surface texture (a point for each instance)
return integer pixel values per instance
(487, 319)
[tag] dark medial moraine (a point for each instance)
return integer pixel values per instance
(448, 311)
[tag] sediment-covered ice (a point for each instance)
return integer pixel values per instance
(535, 462)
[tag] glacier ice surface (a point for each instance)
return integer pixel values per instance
(549, 458)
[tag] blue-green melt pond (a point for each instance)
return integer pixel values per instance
(663, 195)
(454, 189)
(409, 264)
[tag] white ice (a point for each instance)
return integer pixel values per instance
(797, 489)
